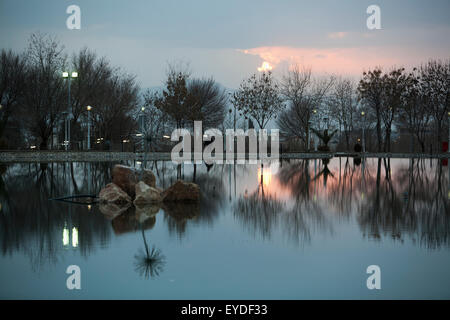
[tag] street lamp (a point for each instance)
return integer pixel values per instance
(123, 142)
(89, 108)
(315, 138)
(363, 133)
(68, 76)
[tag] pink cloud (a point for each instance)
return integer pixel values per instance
(350, 61)
(337, 35)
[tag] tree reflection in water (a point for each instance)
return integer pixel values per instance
(388, 198)
(409, 201)
(31, 224)
(258, 211)
(150, 261)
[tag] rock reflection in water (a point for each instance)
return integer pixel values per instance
(389, 199)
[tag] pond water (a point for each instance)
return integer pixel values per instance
(298, 229)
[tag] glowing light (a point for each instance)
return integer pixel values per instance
(74, 237)
(89, 207)
(65, 237)
(266, 176)
(89, 108)
(167, 137)
(265, 67)
(74, 74)
(65, 74)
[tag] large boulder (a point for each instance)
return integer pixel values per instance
(146, 194)
(113, 194)
(112, 210)
(146, 214)
(126, 178)
(182, 191)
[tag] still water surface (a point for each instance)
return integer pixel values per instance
(303, 229)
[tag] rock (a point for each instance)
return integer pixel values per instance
(129, 221)
(149, 178)
(127, 177)
(146, 194)
(147, 213)
(112, 210)
(182, 191)
(113, 194)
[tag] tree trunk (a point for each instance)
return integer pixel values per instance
(380, 139)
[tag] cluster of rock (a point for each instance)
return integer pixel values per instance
(139, 187)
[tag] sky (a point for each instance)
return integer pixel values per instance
(229, 40)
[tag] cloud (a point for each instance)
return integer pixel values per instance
(337, 35)
(346, 61)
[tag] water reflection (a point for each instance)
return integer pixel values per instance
(150, 261)
(388, 199)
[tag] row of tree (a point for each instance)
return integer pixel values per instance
(35, 101)
(417, 102)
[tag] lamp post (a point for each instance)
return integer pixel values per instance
(69, 77)
(315, 140)
(143, 134)
(89, 127)
(142, 126)
(363, 114)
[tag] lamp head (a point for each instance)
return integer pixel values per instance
(89, 108)
(74, 74)
(65, 74)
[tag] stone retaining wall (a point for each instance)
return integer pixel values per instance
(95, 156)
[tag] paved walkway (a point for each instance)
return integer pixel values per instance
(96, 156)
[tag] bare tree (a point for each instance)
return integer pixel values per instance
(12, 82)
(113, 118)
(207, 102)
(174, 98)
(91, 87)
(370, 90)
(259, 98)
(343, 106)
(415, 113)
(157, 122)
(44, 96)
(303, 94)
(435, 87)
(394, 86)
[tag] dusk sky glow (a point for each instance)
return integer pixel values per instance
(232, 39)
